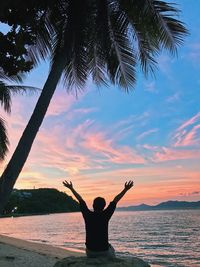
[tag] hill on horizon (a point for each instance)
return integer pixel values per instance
(168, 205)
(40, 201)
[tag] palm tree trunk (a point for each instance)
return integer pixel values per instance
(16, 163)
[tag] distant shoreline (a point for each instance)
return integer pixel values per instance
(167, 209)
(168, 205)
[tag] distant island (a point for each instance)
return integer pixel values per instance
(168, 205)
(39, 201)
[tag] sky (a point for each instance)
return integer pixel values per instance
(105, 136)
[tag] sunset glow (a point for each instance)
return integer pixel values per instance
(105, 136)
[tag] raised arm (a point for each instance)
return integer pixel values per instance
(127, 186)
(70, 186)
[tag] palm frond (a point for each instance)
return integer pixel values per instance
(138, 32)
(42, 46)
(121, 49)
(70, 40)
(98, 43)
(45, 30)
(97, 66)
(13, 78)
(5, 97)
(4, 143)
(170, 30)
(153, 27)
(22, 89)
(7, 90)
(105, 39)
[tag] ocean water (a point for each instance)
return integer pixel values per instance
(162, 238)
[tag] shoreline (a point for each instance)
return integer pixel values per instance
(18, 252)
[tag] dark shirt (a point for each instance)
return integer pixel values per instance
(96, 225)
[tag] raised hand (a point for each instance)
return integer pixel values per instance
(128, 185)
(68, 184)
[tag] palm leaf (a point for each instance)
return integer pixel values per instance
(4, 143)
(121, 50)
(7, 90)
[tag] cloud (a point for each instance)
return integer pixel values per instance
(80, 112)
(164, 63)
(173, 98)
(169, 154)
(151, 87)
(194, 193)
(98, 144)
(194, 52)
(188, 134)
(61, 102)
(189, 122)
(54, 152)
(146, 133)
(127, 126)
(162, 153)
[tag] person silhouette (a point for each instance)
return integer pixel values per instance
(96, 222)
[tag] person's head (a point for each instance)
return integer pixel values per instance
(99, 204)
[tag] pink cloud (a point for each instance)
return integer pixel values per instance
(78, 133)
(168, 154)
(190, 121)
(162, 153)
(54, 153)
(188, 133)
(97, 143)
(61, 102)
(192, 138)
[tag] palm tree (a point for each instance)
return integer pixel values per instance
(104, 40)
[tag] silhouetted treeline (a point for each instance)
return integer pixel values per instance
(38, 201)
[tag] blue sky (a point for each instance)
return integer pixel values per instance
(106, 136)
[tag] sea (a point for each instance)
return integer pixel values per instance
(162, 238)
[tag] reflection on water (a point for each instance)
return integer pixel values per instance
(163, 238)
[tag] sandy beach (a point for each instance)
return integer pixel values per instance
(20, 253)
